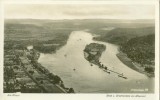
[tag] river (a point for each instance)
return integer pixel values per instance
(91, 79)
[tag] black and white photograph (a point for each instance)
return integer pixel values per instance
(79, 48)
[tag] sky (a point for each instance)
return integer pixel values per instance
(79, 11)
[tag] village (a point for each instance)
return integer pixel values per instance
(22, 73)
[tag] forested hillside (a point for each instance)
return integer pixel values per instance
(141, 50)
(122, 35)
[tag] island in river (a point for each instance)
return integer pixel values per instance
(93, 52)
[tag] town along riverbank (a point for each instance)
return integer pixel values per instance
(48, 82)
(53, 79)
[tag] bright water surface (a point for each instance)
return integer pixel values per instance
(92, 79)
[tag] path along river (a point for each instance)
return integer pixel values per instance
(91, 79)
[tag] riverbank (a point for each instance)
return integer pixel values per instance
(133, 65)
(55, 80)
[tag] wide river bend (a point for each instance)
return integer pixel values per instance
(92, 79)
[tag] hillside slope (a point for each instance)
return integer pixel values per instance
(141, 49)
(122, 35)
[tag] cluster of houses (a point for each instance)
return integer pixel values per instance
(22, 73)
(15, 79)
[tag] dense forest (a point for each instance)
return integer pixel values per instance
(141, 50)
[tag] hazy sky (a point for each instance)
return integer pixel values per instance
(79, 11)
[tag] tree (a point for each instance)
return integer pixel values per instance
(57, 79)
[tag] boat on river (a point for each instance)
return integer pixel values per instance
(107, 71)
(122, 76)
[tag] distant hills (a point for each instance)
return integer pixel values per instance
(85, 23)
(122, 35)
(48, 28)
(57, 31)
(81, 20)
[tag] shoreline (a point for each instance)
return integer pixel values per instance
(51, 76)
(129, 63)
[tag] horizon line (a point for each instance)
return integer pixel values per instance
(81, 19)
